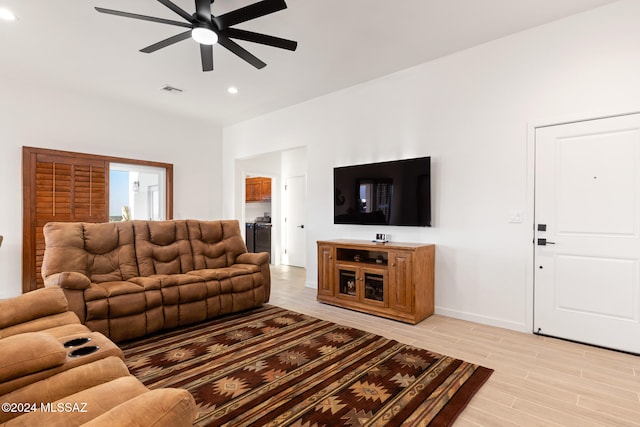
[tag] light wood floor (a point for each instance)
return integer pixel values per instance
(537, 381)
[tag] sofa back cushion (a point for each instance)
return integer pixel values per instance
(215, 244)
(162, 247)
(111, 251)
(103, 252)
(32, 305)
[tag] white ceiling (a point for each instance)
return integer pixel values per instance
(340, 43)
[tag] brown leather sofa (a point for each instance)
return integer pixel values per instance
(43, 382)
(129, 279)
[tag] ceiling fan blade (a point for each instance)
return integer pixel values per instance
(167, 42)
(240, 51)
(247, 13)
(143, 17)
(206, 52)
(177, 10)
(203, 10)
(250, 36)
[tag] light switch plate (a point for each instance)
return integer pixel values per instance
(515, 217)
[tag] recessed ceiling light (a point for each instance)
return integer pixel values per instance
(7, 15)
(232, 90)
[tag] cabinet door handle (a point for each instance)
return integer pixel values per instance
(393, 264)
(330, 257)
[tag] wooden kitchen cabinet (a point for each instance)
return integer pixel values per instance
(393, 280)
(258, 189)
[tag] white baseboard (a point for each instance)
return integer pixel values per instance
(462, 315)
(485, 320)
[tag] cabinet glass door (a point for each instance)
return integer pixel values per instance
(375, 283)
(348, 282)
(374, 287)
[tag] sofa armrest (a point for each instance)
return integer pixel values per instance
(258, 258)
(169, 407)
(68, 280)
(261, 259)
(28, 353)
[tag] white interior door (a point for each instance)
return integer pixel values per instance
(295, 232)
(587, 207)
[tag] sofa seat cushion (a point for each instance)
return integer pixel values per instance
(225, 272)
(28, 353)
(169, 280)
(150, 283)
(110, 289)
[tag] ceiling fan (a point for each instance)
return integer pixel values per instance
(208, 30)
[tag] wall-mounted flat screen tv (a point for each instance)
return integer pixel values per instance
(386, 193)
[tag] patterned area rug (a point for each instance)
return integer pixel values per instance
(274, 367)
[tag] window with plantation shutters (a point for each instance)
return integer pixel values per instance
(65, 186)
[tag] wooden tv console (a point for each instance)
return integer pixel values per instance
(393, 280)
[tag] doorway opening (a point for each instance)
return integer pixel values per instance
(284, 169)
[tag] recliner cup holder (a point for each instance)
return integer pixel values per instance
(76, 342)
(83, 351)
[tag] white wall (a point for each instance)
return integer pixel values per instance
(34, 113)
(470, 112)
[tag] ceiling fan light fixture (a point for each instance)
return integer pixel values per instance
(204, 35)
